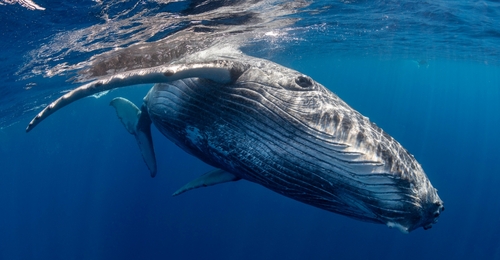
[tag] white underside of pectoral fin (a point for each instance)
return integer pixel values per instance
(127, 112)
(208, 179)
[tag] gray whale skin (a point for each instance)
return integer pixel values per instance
(255, 120)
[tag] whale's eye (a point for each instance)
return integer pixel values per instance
(304, 81)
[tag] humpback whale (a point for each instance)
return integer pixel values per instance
(256, 120)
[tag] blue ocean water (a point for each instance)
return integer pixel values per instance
(76, 186)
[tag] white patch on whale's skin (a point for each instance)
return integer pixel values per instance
(215, 52)
(194, 135)
(101, 94)
(398, 226)
(204, 141)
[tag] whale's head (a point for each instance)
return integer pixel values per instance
(432, 212)
(364, 170)
(431, 207)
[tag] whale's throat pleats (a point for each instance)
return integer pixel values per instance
(270, 136)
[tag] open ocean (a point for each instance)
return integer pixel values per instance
(76, 187)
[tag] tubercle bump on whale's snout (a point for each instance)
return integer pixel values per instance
(431, 213)
(428, 217)
(438, 209)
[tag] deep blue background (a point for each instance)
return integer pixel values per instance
(76, 187)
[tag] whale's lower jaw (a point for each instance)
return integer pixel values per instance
(243, 131)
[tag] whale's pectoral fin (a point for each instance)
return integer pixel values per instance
(220, 71)
(127, 112)
(208, 179)
(138, 123)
